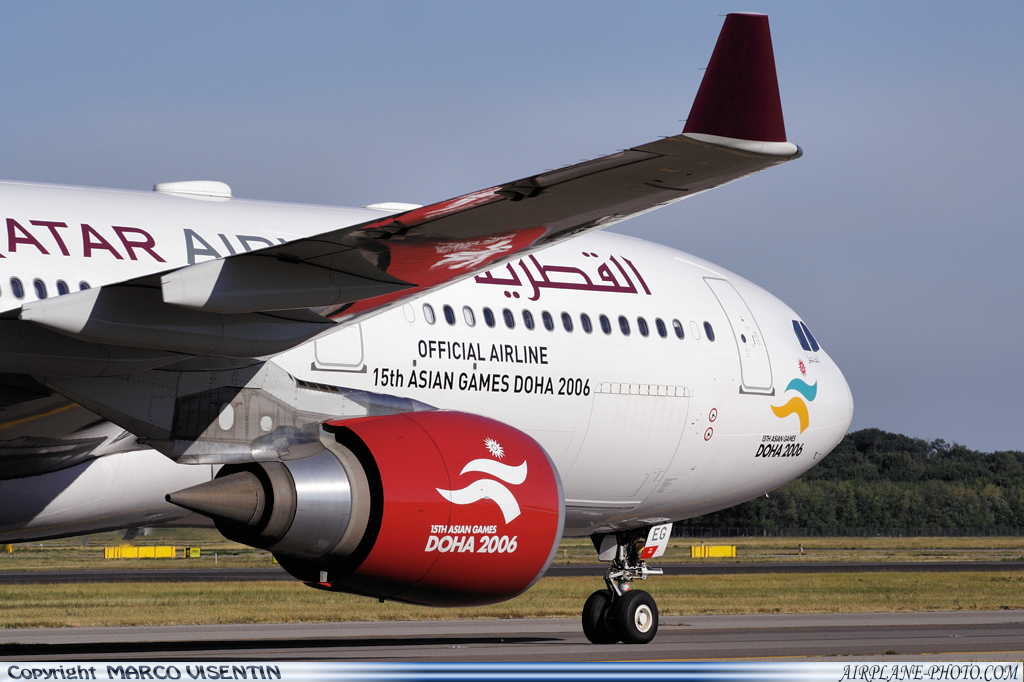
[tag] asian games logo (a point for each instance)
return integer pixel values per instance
(489, 489)
(796, 404)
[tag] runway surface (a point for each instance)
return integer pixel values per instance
(961, 635)
(255, 574)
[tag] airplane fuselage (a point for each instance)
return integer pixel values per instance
(690, 391)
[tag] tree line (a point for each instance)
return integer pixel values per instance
(879, 480)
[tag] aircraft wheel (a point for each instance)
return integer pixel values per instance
(597, 621)
(635, 616)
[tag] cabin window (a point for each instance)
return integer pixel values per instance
(567, 322)
(606, 325)
(549, 322)
(40, 287)
(585, 323)
(510, 319)
(489, 317)
(62, 287)
(83, 285)
(467, 314)
(449, 314)
(660, 324)
(17, 288)
(708, 331)
(641, 325)
(528, 319)
(428, 313)
(623, 325)
(677, 327)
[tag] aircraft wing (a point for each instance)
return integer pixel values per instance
(735, 128)
(263, 302)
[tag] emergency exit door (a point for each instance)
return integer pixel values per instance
(755, 368)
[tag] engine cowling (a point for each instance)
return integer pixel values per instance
(436, 508)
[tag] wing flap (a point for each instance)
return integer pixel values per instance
(136, 317)
(260, 283)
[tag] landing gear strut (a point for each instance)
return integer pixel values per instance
(620, 613)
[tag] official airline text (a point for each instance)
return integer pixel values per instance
(463, 350)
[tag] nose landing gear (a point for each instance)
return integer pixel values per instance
(620, 613)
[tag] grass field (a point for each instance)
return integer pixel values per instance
(71, 554)
(129, 604)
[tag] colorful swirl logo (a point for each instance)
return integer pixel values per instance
(796, 405)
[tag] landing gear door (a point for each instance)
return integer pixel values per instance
(657, 541)
(755, 368)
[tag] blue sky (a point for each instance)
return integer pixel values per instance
(897, 237)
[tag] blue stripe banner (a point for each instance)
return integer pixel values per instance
(512, 672)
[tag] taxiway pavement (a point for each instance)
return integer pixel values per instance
(959, 635)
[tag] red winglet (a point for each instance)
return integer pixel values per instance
(739, 96)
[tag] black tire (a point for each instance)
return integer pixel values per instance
(635, 616)
(597, 621)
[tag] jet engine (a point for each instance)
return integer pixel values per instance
(436, 508)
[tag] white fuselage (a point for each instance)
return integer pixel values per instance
(643, 427)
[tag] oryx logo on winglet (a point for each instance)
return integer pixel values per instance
(796, 405)
(487, 489)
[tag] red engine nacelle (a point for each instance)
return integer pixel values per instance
(472, 509)
(435, 508)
